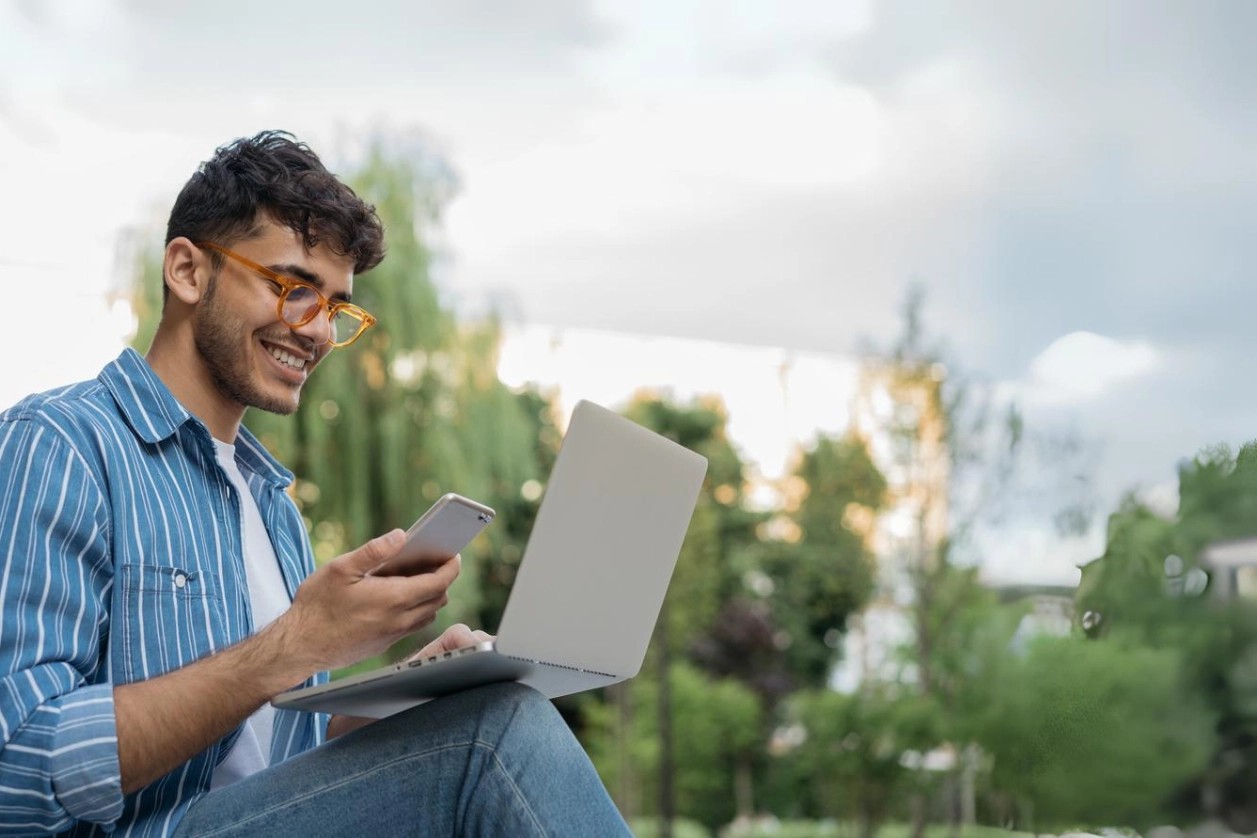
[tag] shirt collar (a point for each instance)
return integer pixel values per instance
(154, 414)
(253, 455)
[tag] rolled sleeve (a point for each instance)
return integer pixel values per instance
(58, 741)
(61, 764)
(85, 772)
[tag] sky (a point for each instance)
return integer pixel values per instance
(1071, 183)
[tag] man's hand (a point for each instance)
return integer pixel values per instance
(342, 613)
(339, 616)
(457, 636)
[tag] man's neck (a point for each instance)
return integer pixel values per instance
(191, 383)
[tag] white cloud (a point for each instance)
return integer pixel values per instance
(1080, 366)
(648, 162)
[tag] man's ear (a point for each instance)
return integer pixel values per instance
(186, 270)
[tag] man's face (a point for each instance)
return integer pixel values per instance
(253, 357)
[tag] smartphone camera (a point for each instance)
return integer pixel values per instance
(485, 518)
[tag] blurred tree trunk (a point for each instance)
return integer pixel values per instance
(627, 790)
(744, 786)
(667, 790)
(920, 809)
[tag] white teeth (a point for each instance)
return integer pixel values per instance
(284, 358)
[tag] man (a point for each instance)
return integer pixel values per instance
(158, 587)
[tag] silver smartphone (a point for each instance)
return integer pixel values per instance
(445, 529)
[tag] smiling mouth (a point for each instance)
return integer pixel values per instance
(285, 357)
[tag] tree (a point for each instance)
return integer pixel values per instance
(719, 534)
(1136, 595)
(1094, 733)
(849, 760)
(715, 721)
(517, 506)
(827, 574)
(743, 604)
(956, 456)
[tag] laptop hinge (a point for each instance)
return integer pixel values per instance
(563, 666)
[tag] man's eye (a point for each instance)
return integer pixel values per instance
(302, 294)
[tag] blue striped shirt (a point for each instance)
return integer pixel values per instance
(120, 540)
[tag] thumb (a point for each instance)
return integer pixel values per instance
(375, 552)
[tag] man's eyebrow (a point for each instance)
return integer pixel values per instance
(306, 276)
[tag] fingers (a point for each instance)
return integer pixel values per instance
(457, 636)
(342, 613)
(421, 590)
(374, 553)
(412, 565)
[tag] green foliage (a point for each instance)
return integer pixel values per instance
(1141, 605)
(839, 829)
(1217, 501)
(719, 549)
(826, 575)
(765, 613)
(681, 828)
(715, 723)
(517, 507)
(954, 611)
(1128, 578)
(721, 543)
(146, 290)
(851, 763)
(817, 587)
(1094, 732)
(837, 473)
(1218, 497)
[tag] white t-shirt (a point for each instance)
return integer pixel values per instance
(268, 598)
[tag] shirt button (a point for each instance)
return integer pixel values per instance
(180, 580)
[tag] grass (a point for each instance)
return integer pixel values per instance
(847, 829)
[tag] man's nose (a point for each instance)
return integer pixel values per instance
(318, 330)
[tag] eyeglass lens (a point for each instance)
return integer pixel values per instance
(303, 304)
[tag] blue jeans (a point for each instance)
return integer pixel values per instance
(497, 760)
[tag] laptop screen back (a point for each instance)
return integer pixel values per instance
(603, 546)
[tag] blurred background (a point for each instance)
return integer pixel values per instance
(954, 296)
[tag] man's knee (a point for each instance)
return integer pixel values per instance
(512, 694)
(516, 705)
(510, 710)
(501, 704)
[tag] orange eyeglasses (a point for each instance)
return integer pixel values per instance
(300, 302)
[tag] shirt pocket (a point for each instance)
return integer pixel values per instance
(171, 617)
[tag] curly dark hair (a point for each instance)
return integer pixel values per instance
(272, 174)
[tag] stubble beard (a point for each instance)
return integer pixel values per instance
(218, 340)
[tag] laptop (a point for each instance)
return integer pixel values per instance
(589, 587)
